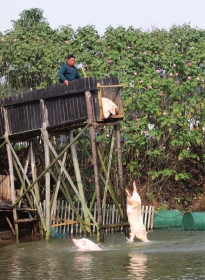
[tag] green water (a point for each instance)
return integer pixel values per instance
(168, 255)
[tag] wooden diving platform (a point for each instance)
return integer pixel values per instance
(22, 115)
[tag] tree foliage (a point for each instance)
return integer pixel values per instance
(163, 102)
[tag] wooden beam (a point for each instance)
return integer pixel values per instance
(125, 224)
(52, 163)
(95, 161)
(13, 196)
(120, 174)
(26, 220)
(11, 227)
(28, 182)
(69, 178)
(44, 115)
(79, 181)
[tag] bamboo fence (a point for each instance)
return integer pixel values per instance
(64, 222)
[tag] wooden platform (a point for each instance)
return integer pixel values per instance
(65, 107)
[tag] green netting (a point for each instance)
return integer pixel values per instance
(55, 234)
(194, 221)
(167, 218)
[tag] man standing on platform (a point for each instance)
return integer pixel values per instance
(68, 72)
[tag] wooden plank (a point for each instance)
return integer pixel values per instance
(62, 109)
(12, 120)
(5, 190)
(18, 221)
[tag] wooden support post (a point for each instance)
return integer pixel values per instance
(47, 188)
(44, 171)
(63, 187)
(120, 173)
(10, 225)
(79, 182)
(68, 176)
(58, 181)
(108, 170)
(23, 187)
(110, 189)
(13, 196)
(27, 180)
(95, 161)
(24, 179)
(47, 163)
(11, 172)
(33, 170)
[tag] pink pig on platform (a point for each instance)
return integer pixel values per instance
(85, 244)
(109, 107)
(135, 216)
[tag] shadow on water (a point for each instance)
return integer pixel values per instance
(168, 255)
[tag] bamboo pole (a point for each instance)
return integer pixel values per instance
(110, 189)
(57, 186)
(10, 225)
(53, 162)
(26, 220)
(23, 186)
(47, 188)
(65, 192)
(11, 171)
(120, 173)
(13, 196)
(79, 181)
(33, 170)
(103, 180)
(22, 183)
(67, 196)
(95, 161)
(2, 144)
(109, 226)
(69, 179)
(28, 182)
(108, 170)
(44, 114)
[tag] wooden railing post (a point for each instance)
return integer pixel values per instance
(47, 163)
(120, 173)
(95, 161)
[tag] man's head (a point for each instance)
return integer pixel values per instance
(70, 60)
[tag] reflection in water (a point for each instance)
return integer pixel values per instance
(83, 262)
(137, 266)
(169, 255)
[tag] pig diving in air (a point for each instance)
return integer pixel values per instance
(134, 215)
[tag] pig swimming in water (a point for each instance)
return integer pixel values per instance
(109, 107)
(135, 216)
(84, 244)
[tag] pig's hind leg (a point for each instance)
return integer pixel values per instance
(132, 236)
